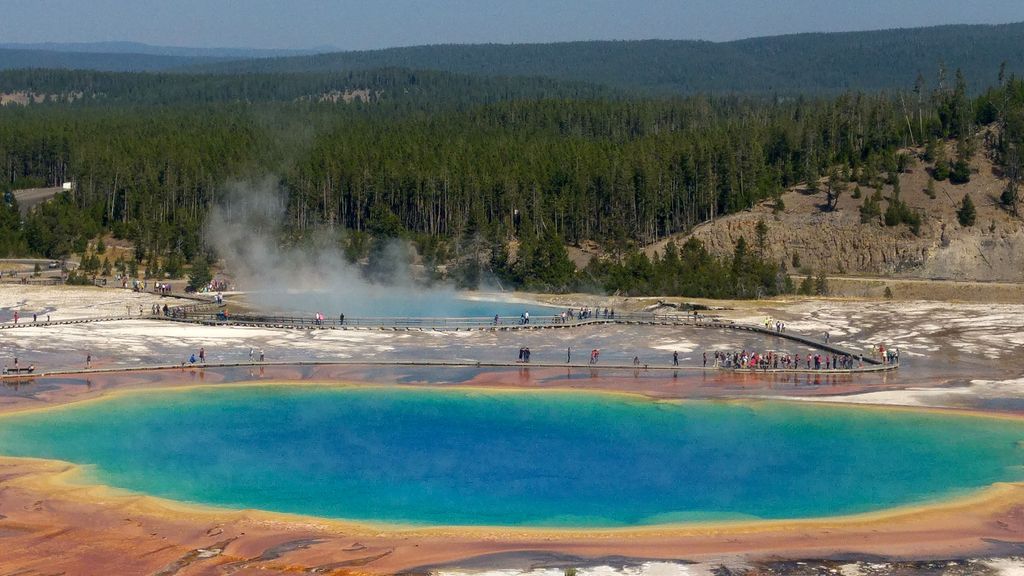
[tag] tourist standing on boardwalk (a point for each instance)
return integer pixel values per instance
(675, 358)
(568, 355)
(705, 360)
(88, 360)
(202, 355)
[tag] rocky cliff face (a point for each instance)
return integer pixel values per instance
(838, 243)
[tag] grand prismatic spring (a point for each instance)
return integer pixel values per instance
(516, 458)
(429, 449)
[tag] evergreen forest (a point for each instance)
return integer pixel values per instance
(484, 176)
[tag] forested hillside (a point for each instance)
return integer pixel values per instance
(480, 180)
(801, 64)
(789, 65)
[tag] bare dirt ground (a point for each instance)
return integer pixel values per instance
(808, 238)
(917, 289)
(74, 302)
(29, 198)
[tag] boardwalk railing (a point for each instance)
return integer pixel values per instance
(197, 311)
(439, 323)
(205, 316)
(33, 280)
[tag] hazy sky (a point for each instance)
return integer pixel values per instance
(349, 24)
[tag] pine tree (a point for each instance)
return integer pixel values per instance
(870, 210)
(200, 275)
(761, 237)
(821, 284)
(807, 286)
(1010, 196)
(960, 173)
(835, 189)
(966, 214)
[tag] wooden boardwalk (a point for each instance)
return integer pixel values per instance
(442, 364)
(30, 324)
(199, 314)
(536, 323)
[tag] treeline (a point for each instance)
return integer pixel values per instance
(388, 90)
(612, 172)
(586, 170)
(542, 263)
(500, 184)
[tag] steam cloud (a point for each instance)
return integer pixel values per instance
(245, 230)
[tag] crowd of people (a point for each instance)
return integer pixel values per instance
(743, 359)
(775, 361)
(586, 313)
(888, 356)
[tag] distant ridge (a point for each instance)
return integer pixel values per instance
(125, 56)
(813, 63)
(152, 50)
(799, 63)
(12, 59)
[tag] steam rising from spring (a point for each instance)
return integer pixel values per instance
(245, 230)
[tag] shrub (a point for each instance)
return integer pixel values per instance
(966, 214)
(899, 213)
(961, 172)
(870, 210)
(779, 205)
(76, 279)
